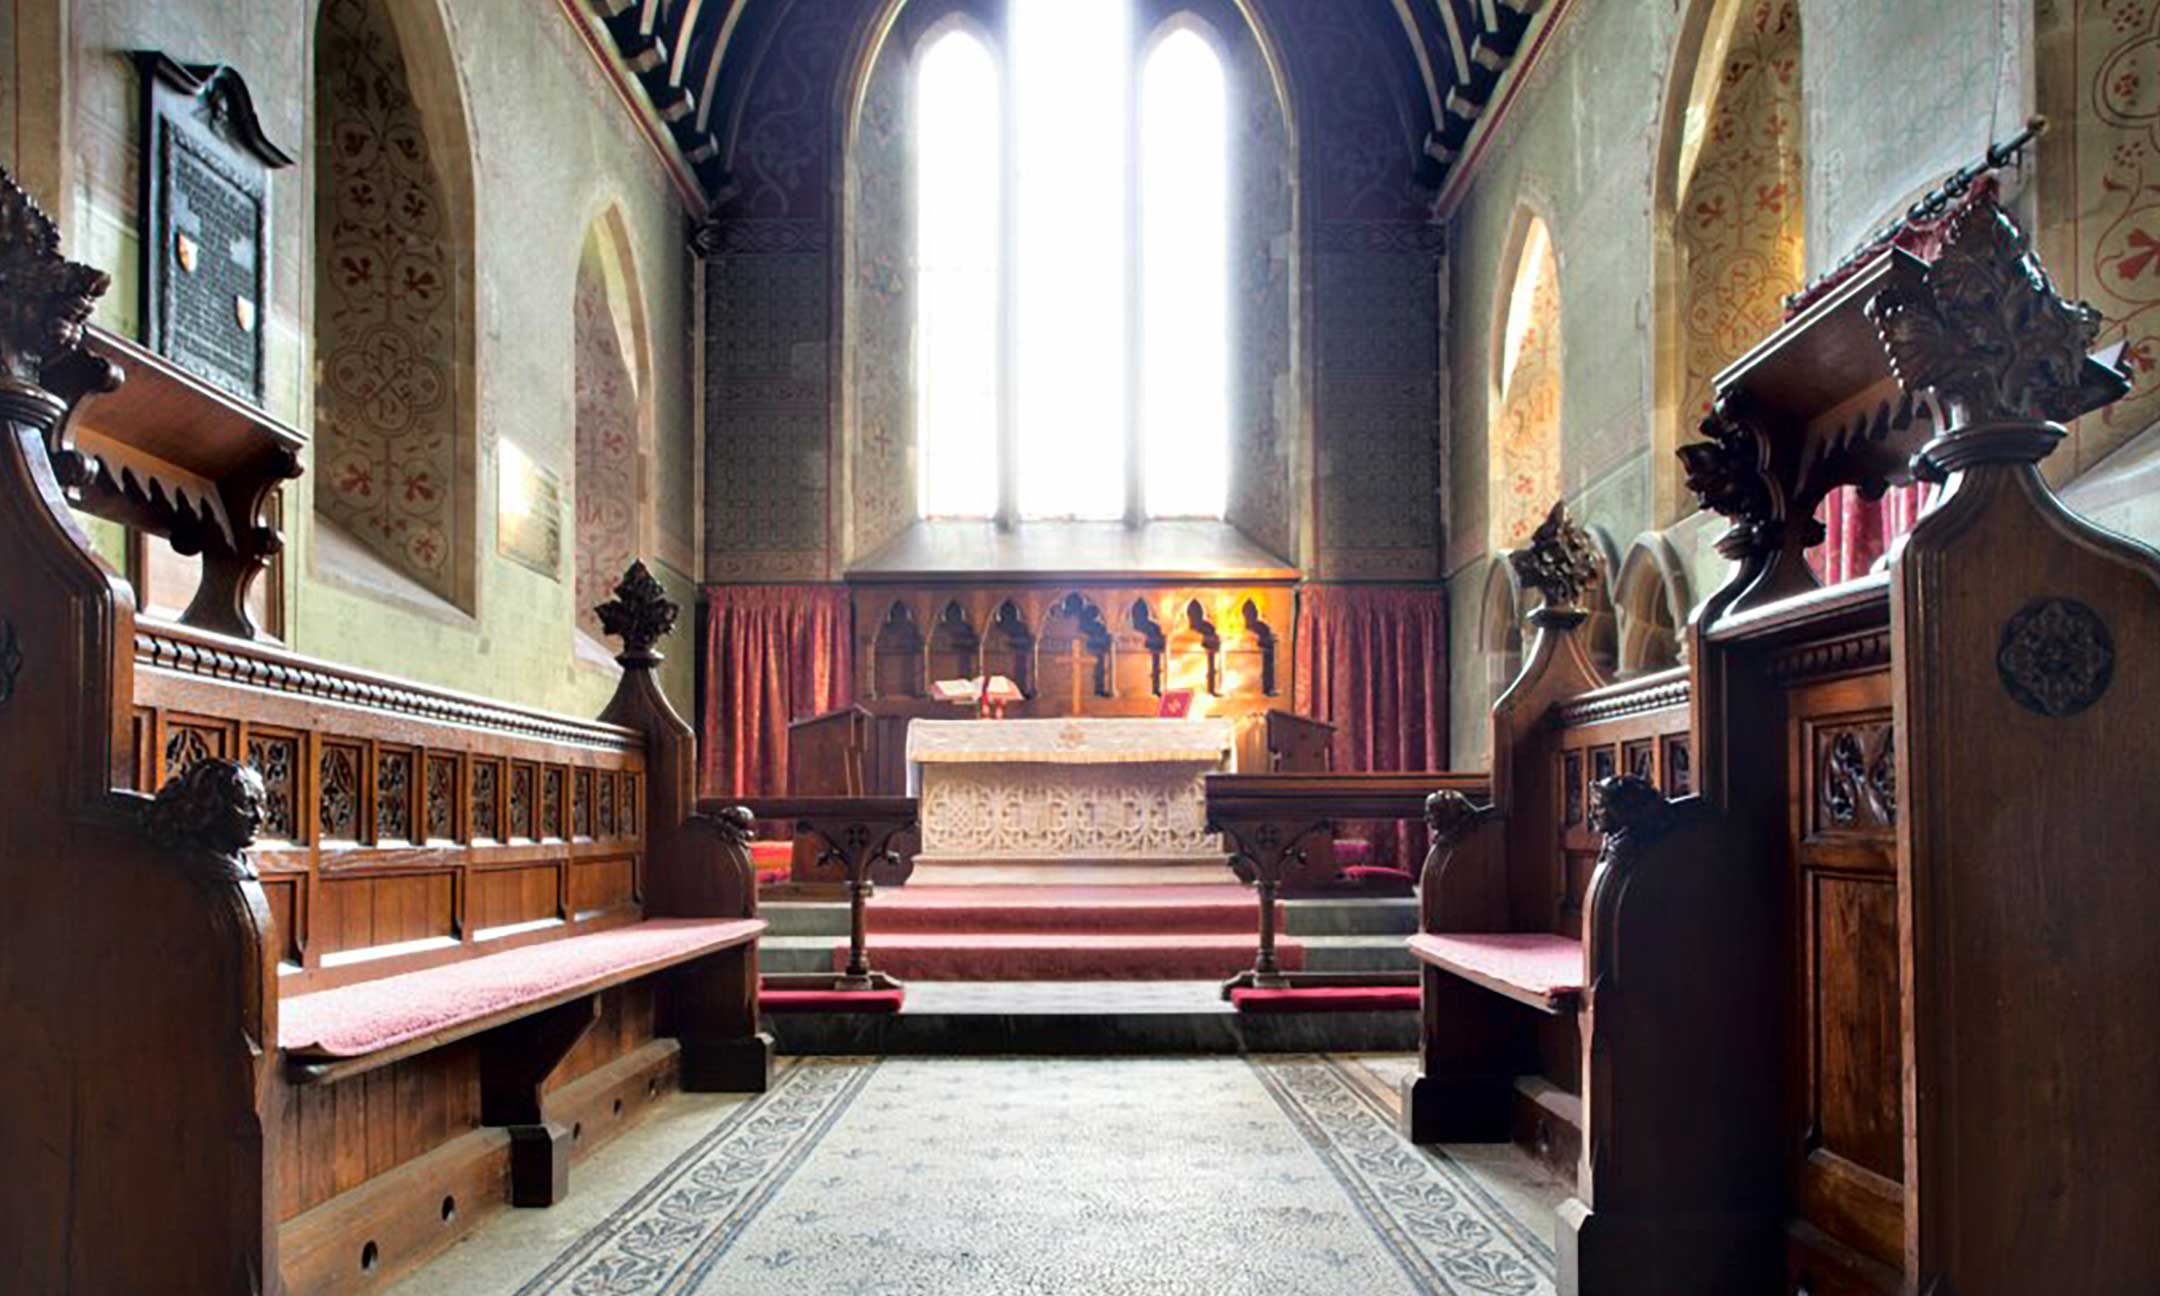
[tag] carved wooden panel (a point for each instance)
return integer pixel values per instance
(581, 804)
(1572, 789)
(1638, 759)
(341, 789)
(1679, 778)
(502, 901)
(442, 797)
(524, 810)
(487, 789)
(276, 758)
(606, 794)
(551, 801)
(189, 739)
(1604, 763)
(365, 914)
(395, 786)
(1849, 1085)
(627, 807)
(597, 886)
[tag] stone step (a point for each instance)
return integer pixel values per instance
(1085, 1018)
(1316, 917)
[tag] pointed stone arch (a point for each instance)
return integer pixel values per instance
(1523, 451)
(611, 365)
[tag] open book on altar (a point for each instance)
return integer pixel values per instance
(992, 692)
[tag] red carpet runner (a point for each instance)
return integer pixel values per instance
(1066, 933)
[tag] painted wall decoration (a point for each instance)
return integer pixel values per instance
(610, 423)
(387, 422)
(881, 306)
(1739, 221)
(1525, 455)
(2100, 191)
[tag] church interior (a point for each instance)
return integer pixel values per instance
(1489, 647)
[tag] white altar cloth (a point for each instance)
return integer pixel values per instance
(1076, 789)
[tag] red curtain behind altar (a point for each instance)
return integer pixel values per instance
(1372, 661)
(1857, 532)
(773, 653)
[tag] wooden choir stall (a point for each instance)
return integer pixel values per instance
(376, 958)
(1870, 1012)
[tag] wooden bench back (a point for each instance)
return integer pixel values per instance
(403, 826)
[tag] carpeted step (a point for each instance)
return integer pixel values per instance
(1040, 956)
(1211, 910)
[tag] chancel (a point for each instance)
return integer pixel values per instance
(1483, 647)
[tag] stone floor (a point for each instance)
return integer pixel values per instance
(1277, 1174)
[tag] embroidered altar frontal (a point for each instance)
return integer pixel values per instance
(1096, 789)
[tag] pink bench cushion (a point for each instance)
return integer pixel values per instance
(877, 1002)
(1524, 965)
(371, 1016)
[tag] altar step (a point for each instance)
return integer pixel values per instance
(1085, 1017)
(1086, 933)
(967, 871)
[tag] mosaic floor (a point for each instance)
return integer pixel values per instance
(859, 1177)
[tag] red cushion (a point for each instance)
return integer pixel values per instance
(1352, 852)
(773, 860)
(1374, 873)
(1326, 999)
(370, 1016)
(1524, 965)
(831, 1001)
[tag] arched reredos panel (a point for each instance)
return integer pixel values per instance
(1523, 451)
(611, 363)
(1727, 210)
(396, 421)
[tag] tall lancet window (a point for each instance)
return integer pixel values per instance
(1184, 278)
(956, 257)
(1073, 316)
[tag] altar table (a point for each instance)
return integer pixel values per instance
(1074, 789)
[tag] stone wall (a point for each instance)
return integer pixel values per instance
(551, 147)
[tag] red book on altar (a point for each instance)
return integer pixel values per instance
(1175, 705)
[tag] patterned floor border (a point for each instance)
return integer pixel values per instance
(1444, 1230)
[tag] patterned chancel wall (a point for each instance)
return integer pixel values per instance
(609, 423)
(386, 314)
(1739, 219)
(2100, 190)
(1525, 458)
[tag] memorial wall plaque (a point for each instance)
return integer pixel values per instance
(206, 222)
(528, 511)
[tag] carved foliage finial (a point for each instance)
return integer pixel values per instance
(1560, 561)
(1985, 330)
(640, 614)
(1728, 472)
(212, 805)
(45, 299)
(1449, 816)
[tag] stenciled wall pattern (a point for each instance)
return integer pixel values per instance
(610, 447)
(386, 315)
(1526, 435)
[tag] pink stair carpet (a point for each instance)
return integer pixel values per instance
(1537, 963)
(1227, 910)
(1038, 956)
(1326, 999)
(371, 1016)
(773, 860)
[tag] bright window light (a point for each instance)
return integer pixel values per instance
(956, 345)
(1185, 291)
(1070, 75)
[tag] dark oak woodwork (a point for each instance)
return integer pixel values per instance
(315, 825)
(855, 836)
(1938, 764)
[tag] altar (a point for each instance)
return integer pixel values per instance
(1036, 800)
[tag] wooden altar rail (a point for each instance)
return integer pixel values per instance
(858, 835)
(1276, 823)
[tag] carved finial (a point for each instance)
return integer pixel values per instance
(212, 805)
(732, 823)
(640, 614)
(1449, 816)
(46, 298)
(1560, 561)
(1986, 331)
(1627, 807)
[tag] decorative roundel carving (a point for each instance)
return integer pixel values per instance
(2056, 657)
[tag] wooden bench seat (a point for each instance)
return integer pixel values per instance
(336, 1034)
(1540, 969)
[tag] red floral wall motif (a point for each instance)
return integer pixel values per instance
(607, 442)
(1525, 468)
(1740, 216)
(2101, 190)
(386, 319)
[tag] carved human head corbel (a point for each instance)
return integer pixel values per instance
(213, 806)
